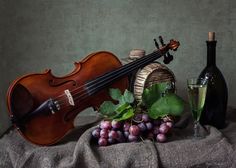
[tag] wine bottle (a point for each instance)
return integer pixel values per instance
(214, 111)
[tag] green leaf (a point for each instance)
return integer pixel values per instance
(176, 104)
(126, 115)
(115, 94)
(170, 104)
(128, 96)
(153, 93)
(159, 109)
(122, 100)
(121, 111)
(122, 107)
(107, 108)
(117, 115)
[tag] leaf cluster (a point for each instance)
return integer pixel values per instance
(121, 111)
(158, 99)
(160, 102)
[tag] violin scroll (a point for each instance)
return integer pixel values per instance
(172, 45)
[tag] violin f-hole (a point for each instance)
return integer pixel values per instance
(54, 83)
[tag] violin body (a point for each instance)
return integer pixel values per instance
(30, 91)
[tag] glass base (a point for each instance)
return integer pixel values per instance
(200, 131)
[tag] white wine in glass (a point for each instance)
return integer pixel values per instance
(196, 93)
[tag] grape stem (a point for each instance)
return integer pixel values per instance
(137, 120)
(141, 139)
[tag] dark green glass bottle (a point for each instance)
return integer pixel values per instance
(214, 111)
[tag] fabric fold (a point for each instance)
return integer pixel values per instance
(79, 150)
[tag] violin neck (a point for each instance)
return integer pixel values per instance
(105, 80)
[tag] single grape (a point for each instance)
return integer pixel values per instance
(161, 138)
(126, 126)
(142, 127)
(119, 133)
(134, 130)
(145, 118)
(138, 117)
(113, 134)
(149, 125)
(104, 133)
(105, 124)
(150, 135)
(155, 130)
(169, 124)
(96, 133)
(163, 128)
(116, 124)
(132, 138)
(126, 134)
(157, 122)
(111, 141)
(120, 137)
(102, 142)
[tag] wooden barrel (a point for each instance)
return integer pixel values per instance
(152, 73)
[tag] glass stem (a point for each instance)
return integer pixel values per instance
(196, 129)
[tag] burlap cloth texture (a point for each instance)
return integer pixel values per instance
(217, 149)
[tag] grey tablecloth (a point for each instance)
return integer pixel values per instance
(77, 150)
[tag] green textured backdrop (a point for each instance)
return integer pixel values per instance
(40, 34)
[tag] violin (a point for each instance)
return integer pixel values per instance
(43, 107)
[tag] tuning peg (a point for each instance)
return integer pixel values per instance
(167, 58)
(156, 44)
(161, 41)
(170, 56)
(166, 61)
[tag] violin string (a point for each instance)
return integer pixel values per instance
(83, 94)
(126, 67)
(101, 80)
(120, 73)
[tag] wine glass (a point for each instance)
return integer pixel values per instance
(197, 88)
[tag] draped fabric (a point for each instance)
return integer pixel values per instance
(78, 149)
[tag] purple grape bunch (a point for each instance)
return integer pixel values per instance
(141, 127)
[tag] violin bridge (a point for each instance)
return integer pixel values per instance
(69, 97)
